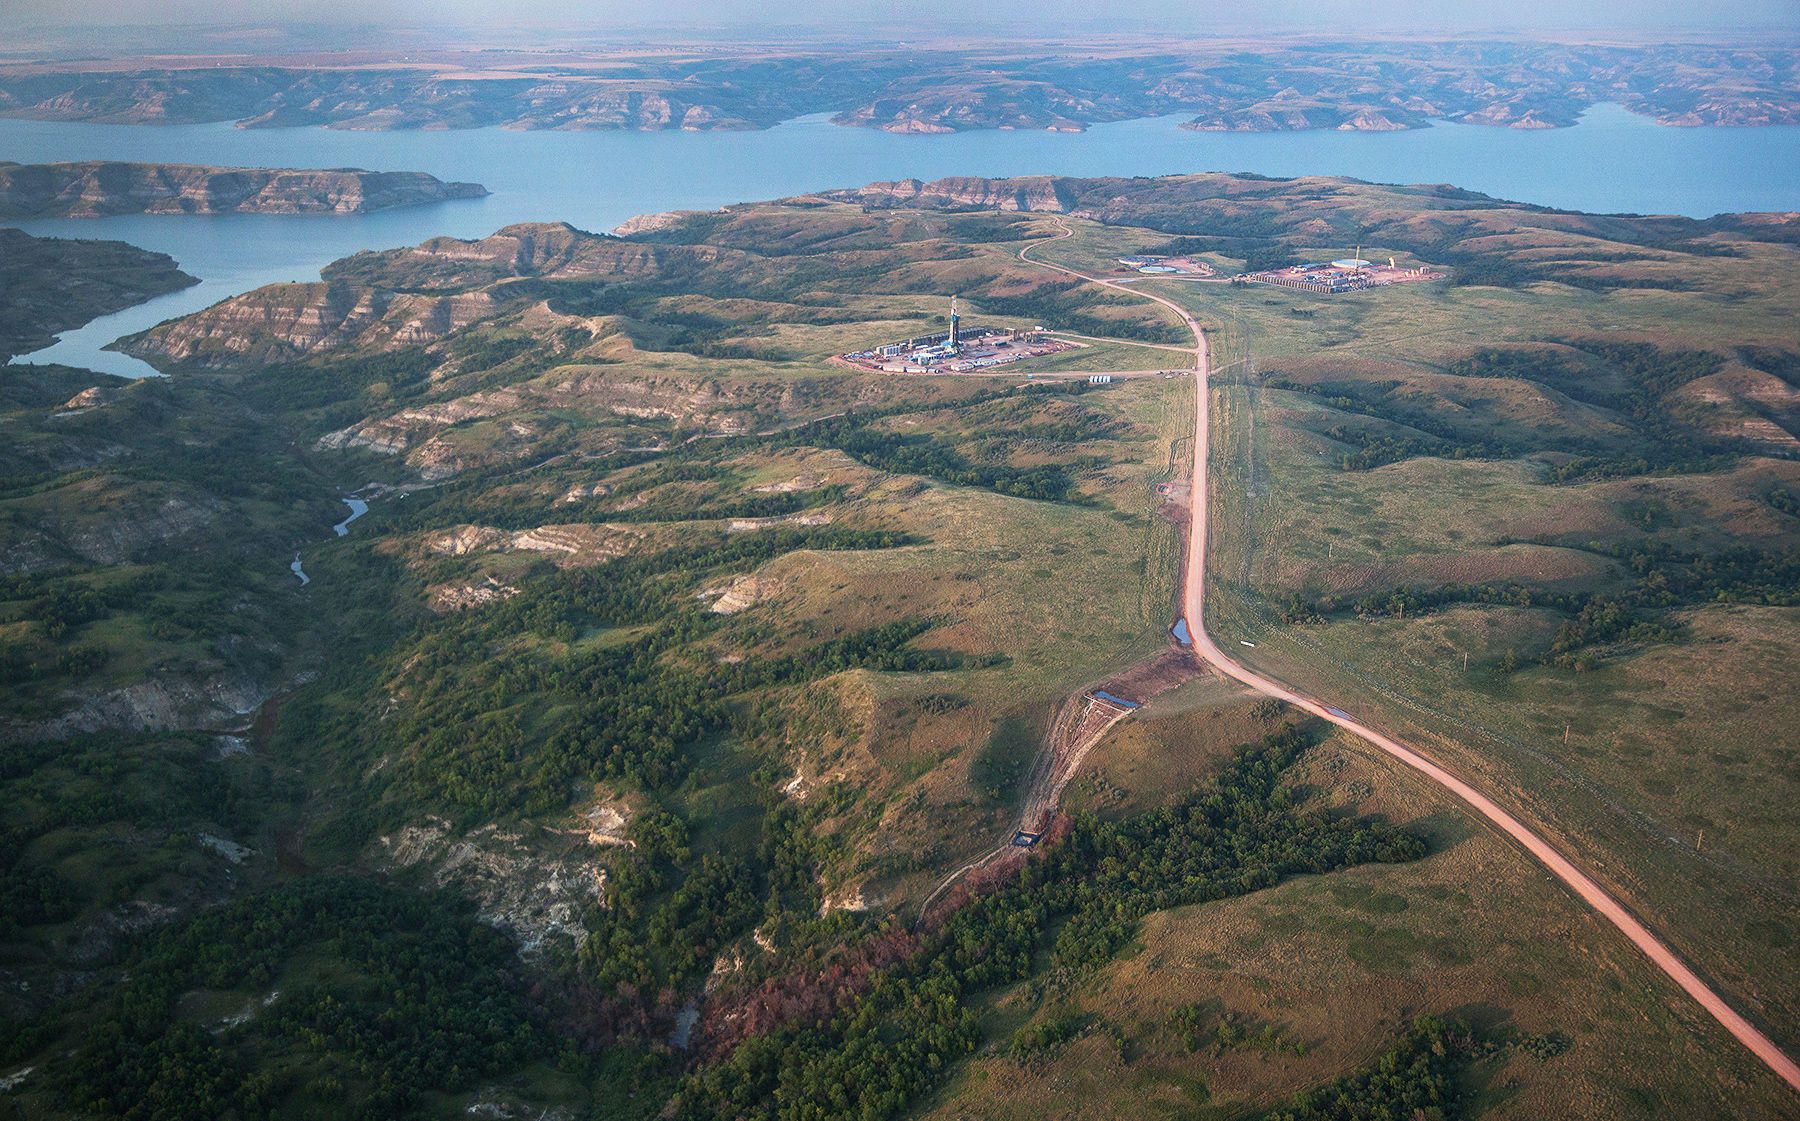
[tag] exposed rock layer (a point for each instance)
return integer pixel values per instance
(1375, 85)
(93, 188)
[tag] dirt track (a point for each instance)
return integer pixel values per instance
(1194, 605)
(1080, 723)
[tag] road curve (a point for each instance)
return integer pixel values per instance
(1194, 605)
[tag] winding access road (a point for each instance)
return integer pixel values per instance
(1194, 605)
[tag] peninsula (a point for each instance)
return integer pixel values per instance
(51, 284)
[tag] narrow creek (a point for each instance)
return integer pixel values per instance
(681, 1038)
(358, 507)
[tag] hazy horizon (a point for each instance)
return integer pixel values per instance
(754, 19)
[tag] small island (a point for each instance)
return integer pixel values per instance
(94, 189)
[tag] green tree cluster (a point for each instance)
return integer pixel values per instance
(1080, 902)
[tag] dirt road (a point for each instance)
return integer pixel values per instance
(1078, 727)
(1194, 605)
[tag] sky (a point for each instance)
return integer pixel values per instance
(939, 16)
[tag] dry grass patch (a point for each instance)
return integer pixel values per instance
(1326, 971)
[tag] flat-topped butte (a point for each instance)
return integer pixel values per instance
(96, 188)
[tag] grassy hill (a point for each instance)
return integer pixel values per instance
(674, 666)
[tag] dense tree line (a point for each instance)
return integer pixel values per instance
(473, 500)
(671, 909)
(1500, 268)
(1065, 306)
(1035, 426)
(418, 998)
(918, 453)
(1422, 433)
(1591, 619)
(1635, 380)
(31, 895)
(481, 350)
(1783, 499)
(1663, 578)
(58, 603)
(1784, 364)
(667, 914)
(684, 508)
(1412, 1081)
(1474, 268)
(1042, 1038)
(336, 390)
(1375, 448)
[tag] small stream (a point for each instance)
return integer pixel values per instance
(684, 1026)
(358, 507)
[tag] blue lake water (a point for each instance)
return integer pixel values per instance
(1611, 161)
